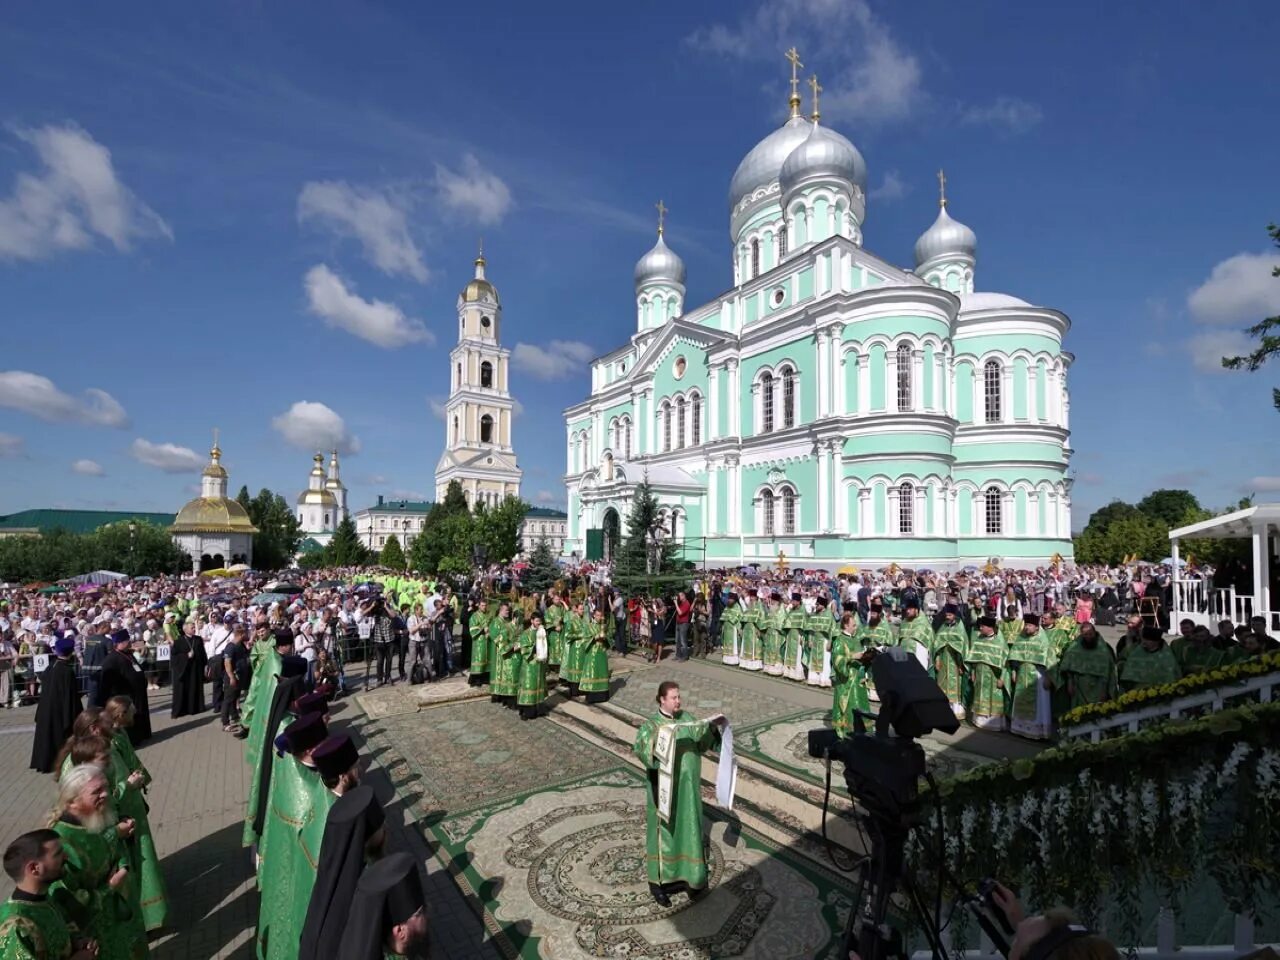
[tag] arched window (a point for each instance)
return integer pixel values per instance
(782, 241)
(455, 428)
(675, 524)
(695, 412)
(326, 519)
(486, 374)
(991, 375)
(486, 429)
(626, 438)
(766, 513)
(459, 373)
(766, 403)
(995, 524)
(666, 425)
(906, 514)
(904, 377)
(788, 510)
(788, 397)
(680, 407)
(755, 258)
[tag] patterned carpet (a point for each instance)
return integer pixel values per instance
(407, 698)
(561, 875)
(784, 745)
(702, 696)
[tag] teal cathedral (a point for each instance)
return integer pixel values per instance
(831, 406)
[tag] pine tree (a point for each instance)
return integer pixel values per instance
(392, 557)
(543, 571)
(345, 549)
(637, 558)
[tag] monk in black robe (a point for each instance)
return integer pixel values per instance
(122, 677)
(187, 661)
(58, 707)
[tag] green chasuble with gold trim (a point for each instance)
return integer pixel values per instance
(285, 876)
(146, 863)
(1143, 668)
(503, 679)
(730, 629)
(671, 750)
(772, 652)
(533, 672)
(1030, 659)
(985, 660)
(257, 702)
(33, 929)
(750, 656)
(881, 635)
(794, 623)
(849, 687)
(916, 636)
(1087, 675)
(553, 621)
(480, 644)
(571, 664)
(818, 629)
(594, 675)
(950, 646)
(92, 908)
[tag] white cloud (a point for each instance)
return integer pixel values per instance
(1261, 485)
(558, 359)
(892, 188)
(73, 198)
(547, 496)
(40, 397)
(474, 191)
(1012, 114)
(12, 445)
(403, 494)
(377, 321)
(1208, 347)
(378, 220)
(517, 408)
(313, 426)
(1240, 290)
(88, 468)
(168, 457)
(437, 405)
(866, 74)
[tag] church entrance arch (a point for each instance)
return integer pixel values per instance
(612, 533)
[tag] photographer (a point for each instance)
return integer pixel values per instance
(381, 634)
(1054, 934)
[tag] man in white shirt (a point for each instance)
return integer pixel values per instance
(217, 633)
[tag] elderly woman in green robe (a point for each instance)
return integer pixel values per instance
(96, 891)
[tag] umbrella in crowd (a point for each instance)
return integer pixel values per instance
(268, 598)
(281, 586)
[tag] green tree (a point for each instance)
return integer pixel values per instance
(543, 571)
(497, 529)
(446, 534)
(279, 532)
(1171, 506)
(146, 549)
(1266, 331)
(345, 549)
(391, 557)
(642, 567)
(1103, 517)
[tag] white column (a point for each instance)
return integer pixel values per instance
(651, 423)
(824, 375)
(835, 469)
(1008, 515)
(713, 500)
(939, 383)
(824, 478)
(866, 513)
(864, 382)
(569, 452)
(1052, 394)
(735, 397)
(917, 380)
(938, 526)
(838, 359)
(892, 514)
(1066, 409)
(919, 513)
(713, 404)
(735, 497)
(841, 495)
(1006, 393)
(890, 379)
(1032, 413)
(1261, 573)
(1033, 514)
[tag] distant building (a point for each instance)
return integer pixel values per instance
(323, 505)
(214, 529)
(35, 523)
(543, 523)
(402, 519)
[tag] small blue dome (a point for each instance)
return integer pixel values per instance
(824, 153)
(660, 263)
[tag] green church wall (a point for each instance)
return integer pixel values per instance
(964, 505)
(887, 443)
(1005, 452)
(1042, 391)
(860, 331)
(964, 392)
(877, 371)
(804, 282)
(928, 377)
(1020, 388)
(1006, 343)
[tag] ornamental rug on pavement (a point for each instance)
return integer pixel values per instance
(403, 697)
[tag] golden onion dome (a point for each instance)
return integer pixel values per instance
(479, 289)
(213, 515)
(320, 498)
(215, 468)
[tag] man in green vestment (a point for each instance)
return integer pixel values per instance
(1087, 671)
(534, 646)
(849, 669)
(950, 645)
(820, 627)
(31, 925)
(1030, 660)
(575, 637)
(553, 620)
(730, 631)
(750, 656)
(481, 648)
(262, 686)
(772, 639)
(593, 680)
(670, 744)
(876, 632)
(1150, 663)
(1198, 654)
(133, 779)
(985, 662)
(915, 635)
(1066, 625)
(503, 679)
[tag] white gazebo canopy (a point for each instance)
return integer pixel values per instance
(1259, 523)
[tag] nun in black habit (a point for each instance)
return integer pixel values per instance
(353, 834)
(388, 913)
(58, 707)
(187, 661)
(122, 677)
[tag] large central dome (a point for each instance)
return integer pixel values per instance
(761, 166)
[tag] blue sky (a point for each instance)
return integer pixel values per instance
(258, 216)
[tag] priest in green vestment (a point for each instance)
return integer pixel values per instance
(272, 719)
(819, 628)
(915, 633)
(950, 646)
(262, 686)
(730, 631)
(750, 656)
(849, 672)
(1031, 659)
(128, 769)
(772, 646)
(96, 891)
(552, 622)
(1198, 654)
(31, 925)
(1150, 663)
(594, 677)
(985, 662)
(876, 632)
(575, 631)
(1087, 671)
(481, 647)
(670, 745)
(503, 681)
(534, 652)
(793, 623)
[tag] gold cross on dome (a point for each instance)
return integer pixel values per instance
(942, 188)
(793, 56)
(816, 87)
(662, 216)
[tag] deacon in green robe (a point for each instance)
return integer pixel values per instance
(1031, 659)
(503, 680)
(819, 629)
(670, 744)
(594, 677)
(262, 686)
(1087, 671)
(96, 892)
(553, 621)
(731, 631)
(772, 654)
(574, 630)
(131, 804)
(534, 651)
(481, 648)
(950, 646)
(874, 633)
(750, 656)
(1150, 663)
(849, 669)
(795, 624)
(1066, 625)
(1010, 625)
(915, 633)
(1198, 654)
(31, 925)
(985, 662)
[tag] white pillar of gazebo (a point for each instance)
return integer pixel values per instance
(1261, 571)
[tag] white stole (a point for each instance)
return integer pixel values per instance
(540, 645)
(664, 751)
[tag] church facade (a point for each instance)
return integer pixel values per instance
(830, 406)
(323, 505)
(478, 451)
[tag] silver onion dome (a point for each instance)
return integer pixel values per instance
(660, 263)
(823, 153)
(946, 237)
(762, 165)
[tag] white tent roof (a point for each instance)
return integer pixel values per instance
(1239, 523)
(96, 577)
